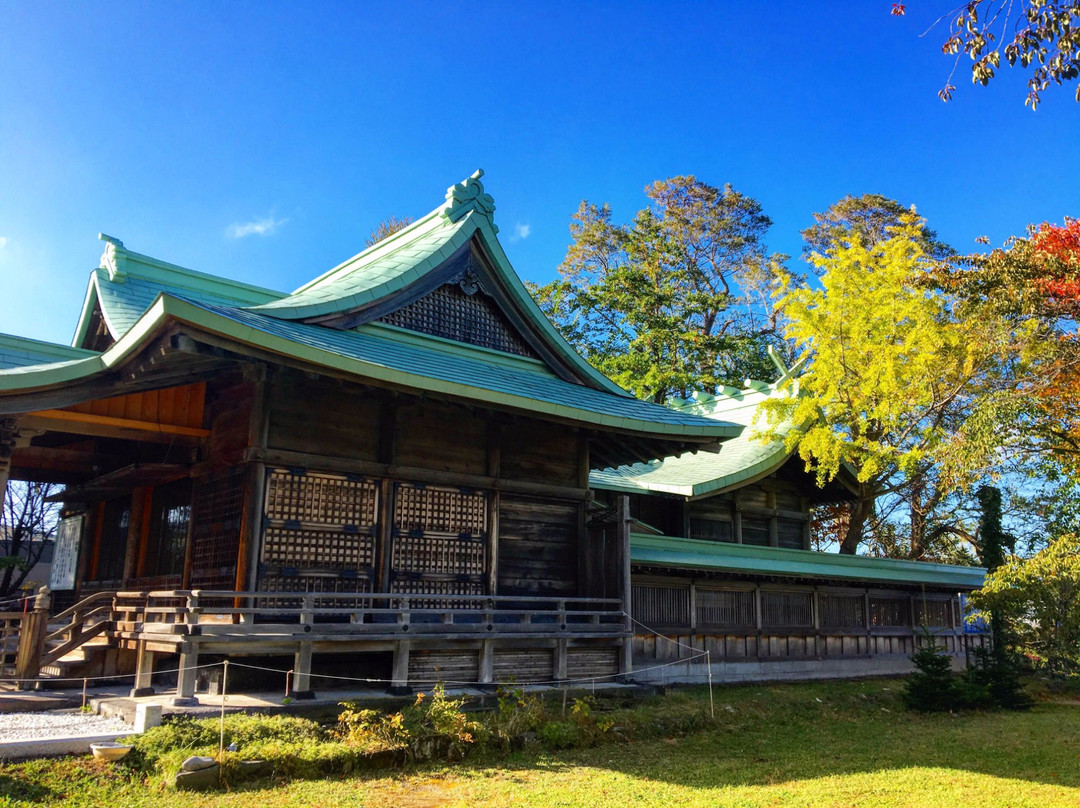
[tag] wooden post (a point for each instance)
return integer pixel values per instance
(144, 671)
(399, 683)
(185, 678)
(142, 500)
(487, 661)
(32, 640)
(301, 682)
(626, 665)
(560, 658)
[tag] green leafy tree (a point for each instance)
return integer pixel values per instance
(1038, 600)
(679, 299)
(867, 219)
(896, 382)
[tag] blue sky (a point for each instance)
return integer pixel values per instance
(263, 141)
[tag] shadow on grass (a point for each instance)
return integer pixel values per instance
(1037, 746)
(18, 789)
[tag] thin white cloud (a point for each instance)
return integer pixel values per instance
(259, 227)
(3, 242)
(521, 231)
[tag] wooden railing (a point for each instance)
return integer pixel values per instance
(211, 612)
(82, 622)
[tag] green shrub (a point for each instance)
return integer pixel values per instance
(930, 688)
(515, 715)
(560, 735)
(432, 727)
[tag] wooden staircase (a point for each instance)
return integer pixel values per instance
(75, 644)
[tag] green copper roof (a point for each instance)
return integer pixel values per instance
(406, 257)
(17, 352)
(739, 461)
(127, 283)
(694, 554)
(394, 356)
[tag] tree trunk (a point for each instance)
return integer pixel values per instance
(861, 509)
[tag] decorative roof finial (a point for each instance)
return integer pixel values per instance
(112, 260)
(469, 195)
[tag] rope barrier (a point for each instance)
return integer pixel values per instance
(590, 680)
(100, 678)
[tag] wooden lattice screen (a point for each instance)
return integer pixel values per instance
(217, 510)
(439, 544)
(318, 533)
(451, 313)
(724, 608)
(842, 611)
(787, 609)
(660, 605)
(886, 611)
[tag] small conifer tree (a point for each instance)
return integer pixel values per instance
(931, 687)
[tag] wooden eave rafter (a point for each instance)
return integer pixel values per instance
(82, 423)
(121, 481)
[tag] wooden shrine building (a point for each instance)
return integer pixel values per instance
(721, 562)
(392, 461)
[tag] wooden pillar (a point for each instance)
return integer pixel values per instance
(185, 678)
(494, 470)
(144, 671)
(623, 560)
(770, 502)
(560, 658)
(400, 677)
(487, 661)
(247, 554)
(250, 545)
(384, 528)
(301, 680)
(35, 626)
(138, 532)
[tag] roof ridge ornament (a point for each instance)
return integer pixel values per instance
(467, 196)
(113, 259)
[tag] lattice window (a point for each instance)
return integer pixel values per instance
(445, 555)
(440, 541)
(885, 611)
(303, 583)
(439, 510)
(317, 549)
(843, 611)
(318, 533)
(725, 607)
(450, 313)
(787, 609)
(655, 605)
(327, 499)
(217, 510)
(446, 589)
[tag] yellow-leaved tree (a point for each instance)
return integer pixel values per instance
(899, 380)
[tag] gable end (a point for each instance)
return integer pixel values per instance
(462, 312)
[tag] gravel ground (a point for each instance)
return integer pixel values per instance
(60, 724)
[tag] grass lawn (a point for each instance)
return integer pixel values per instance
(828, 744)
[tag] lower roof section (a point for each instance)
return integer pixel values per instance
(710, 556)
